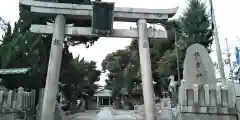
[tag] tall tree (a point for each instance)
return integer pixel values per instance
(123, 66)
(80, 79)
(115, 63)
(3, 24)
(194, 26)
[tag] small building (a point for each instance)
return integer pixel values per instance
(103, 98)
(13, 78)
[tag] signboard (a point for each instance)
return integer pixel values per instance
(102, 18)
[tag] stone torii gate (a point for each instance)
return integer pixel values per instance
(59, 29)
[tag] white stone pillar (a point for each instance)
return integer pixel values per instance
(40, 104)
(146, 71)
(109, 101)
(10, 99)
(1, 98)
(97, 102)
(54, 65)
(102, 101)
(20, 98)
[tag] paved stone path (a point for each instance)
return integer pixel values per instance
(117, 114)
(88, 115)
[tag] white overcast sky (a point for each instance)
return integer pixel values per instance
(226, 11)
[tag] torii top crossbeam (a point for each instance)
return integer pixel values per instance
(77, 11)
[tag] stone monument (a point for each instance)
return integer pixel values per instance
(200, 96)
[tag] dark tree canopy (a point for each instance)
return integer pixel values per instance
(3, 24)
(195, 25)
(123, 66)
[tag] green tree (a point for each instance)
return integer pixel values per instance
(80, 80)
(123, 66)
(115, 63)
(194, 26)
(17, 52)
(3, 24)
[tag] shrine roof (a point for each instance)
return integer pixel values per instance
(13, 71)
(103, 93)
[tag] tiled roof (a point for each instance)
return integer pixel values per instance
(14, 71)
(103, 92)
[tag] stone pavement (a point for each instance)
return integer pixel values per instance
(117, 115)
(124, 115)
(88, 115)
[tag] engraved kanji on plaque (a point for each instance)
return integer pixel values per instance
(145, 45)
(196, 55)
(57, 42)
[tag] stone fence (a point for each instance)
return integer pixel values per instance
(14, 103)
(207, 101)
(164, 111)
(210, 96)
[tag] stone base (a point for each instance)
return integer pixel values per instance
(193, 116)
(207, 113)
(8, 116)
(208, 110)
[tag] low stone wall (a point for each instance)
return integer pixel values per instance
(20, 104)
(163, 110)
(139, 109)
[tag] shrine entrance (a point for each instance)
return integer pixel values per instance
(102, 14)
(103, 98)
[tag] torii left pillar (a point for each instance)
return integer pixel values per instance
(146, 71)
(54, 65)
